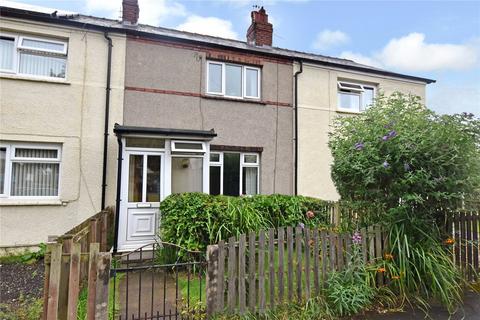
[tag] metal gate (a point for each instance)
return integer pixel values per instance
(158, 281)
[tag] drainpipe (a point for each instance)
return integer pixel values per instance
(119, 187)
(107, 112)
(296, 125)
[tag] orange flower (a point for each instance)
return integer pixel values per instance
(310, 214)
(449, 241)
(381, 270)
(388, 256)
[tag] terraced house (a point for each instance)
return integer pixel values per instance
(192, 113)
(54, 72)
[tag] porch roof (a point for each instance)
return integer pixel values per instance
(122, 130)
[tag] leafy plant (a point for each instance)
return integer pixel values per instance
(351, 290)
(416, 167)
(195, 220)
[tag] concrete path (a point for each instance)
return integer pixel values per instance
(164, 294)
(471, 311)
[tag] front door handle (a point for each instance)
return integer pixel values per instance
(144, 205)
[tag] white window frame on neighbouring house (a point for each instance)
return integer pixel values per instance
(242, 164)
(11, 158)
(222, 92)
(354, 89)
(19, 48)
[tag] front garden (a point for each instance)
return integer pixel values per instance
(398, 165)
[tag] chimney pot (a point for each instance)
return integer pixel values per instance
(130, 12)
(260, 32)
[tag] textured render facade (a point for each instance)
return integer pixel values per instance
(165, 86)
(318, 107)
(68, 113)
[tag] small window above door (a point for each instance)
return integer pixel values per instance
(188, 146)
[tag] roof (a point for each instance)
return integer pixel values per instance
(14, 9)
(121, 130)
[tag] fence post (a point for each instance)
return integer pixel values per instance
(92, 280)
(103, 278)
(211, 279)
(54, 280)
(93, 230)
(74, 281)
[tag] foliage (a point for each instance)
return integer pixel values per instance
(26, 309)
(351, 290)
(315, 308)
(416, 166)
(194, 220)
(398, 151)
(422, 270)
(27, 257)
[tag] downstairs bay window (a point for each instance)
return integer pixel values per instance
(29, 170)
(234, 173)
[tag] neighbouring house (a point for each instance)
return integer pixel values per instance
(53, 76)
(188, 113)
(326, 91)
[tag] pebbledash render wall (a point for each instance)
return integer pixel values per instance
(165, 87)
(317, 108)
(71, 114)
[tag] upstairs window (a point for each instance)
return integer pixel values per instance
(234, 173)
(233, 80)
(354, 97)
(33, 56)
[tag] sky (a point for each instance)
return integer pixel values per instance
(432, 39)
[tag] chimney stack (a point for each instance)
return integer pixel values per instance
(260, 31)
(130, 12)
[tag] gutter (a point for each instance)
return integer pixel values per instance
(22, 14)
(295, 107)
(107, 115)
(119, 188)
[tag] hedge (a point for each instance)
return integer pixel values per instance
(195, 220)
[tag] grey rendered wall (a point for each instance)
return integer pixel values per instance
(177, 76)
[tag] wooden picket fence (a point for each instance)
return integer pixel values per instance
(79, 259)
(465, 229)
(251, 276)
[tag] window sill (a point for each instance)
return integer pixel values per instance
(34, 79)
(241, 100)
(348, 111)
(31, 202)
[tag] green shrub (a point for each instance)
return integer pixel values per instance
(195, 220)
(415, 166)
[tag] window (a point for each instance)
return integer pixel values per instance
(33, 56)
(188, 146)
(187, 174)
(29, 170)
(234, 173)
(232, 80)
(354, 97)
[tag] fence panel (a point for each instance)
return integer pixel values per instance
(268, 271)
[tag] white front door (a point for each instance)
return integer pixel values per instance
(142, 191)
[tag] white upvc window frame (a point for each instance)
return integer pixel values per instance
(11, 158)
(18, 39)
(180, 150)
(242, 165)
(218, 163)
(15, 53)
(354, 91)
(243, 80)
(21, 46)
